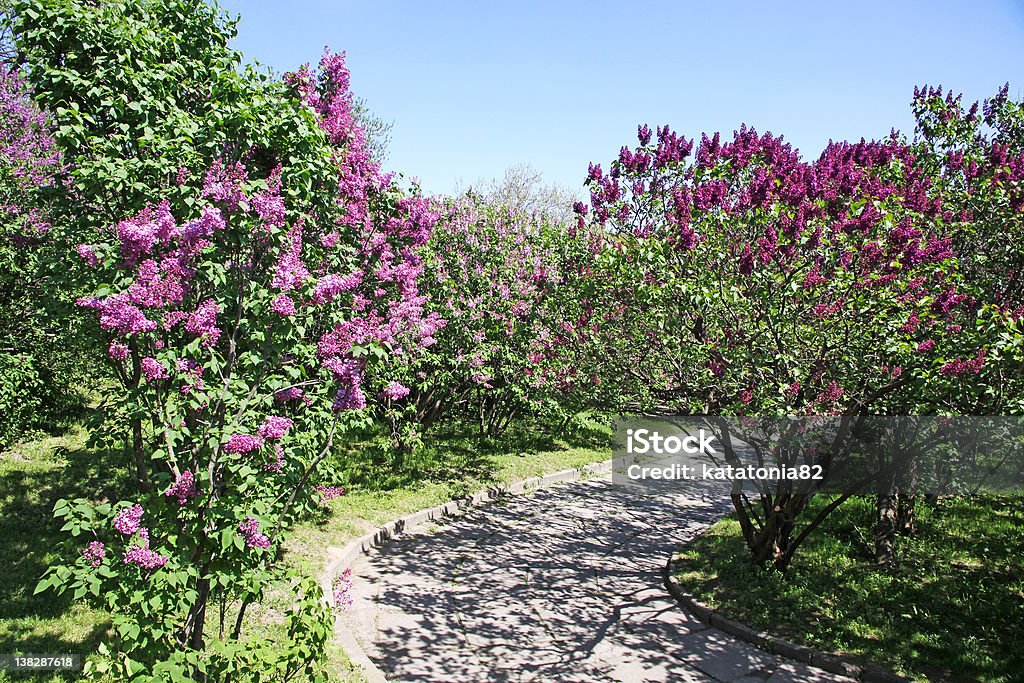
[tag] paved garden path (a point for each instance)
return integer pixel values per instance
(564, 584)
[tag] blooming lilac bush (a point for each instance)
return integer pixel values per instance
(762, 284)
(507, 285)
(35, 373)
(237, 399)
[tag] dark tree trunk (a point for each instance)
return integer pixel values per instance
(906, 515)
(138, 445)
(773, 543)
(199, 615)
(139, 453)
(885, 529)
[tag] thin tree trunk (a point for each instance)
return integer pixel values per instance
(139, 452)
(138, 445)
(199, 618)
(885, 529)
(906, 515)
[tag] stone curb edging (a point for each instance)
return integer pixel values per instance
(765, 641)
(339, 559)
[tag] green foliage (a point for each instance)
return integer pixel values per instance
(142, 89)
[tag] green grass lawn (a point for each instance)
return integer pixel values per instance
(952, 610)
(33, 476)
(381, 487)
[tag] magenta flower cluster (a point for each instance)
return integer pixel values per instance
(184, 488)
(152, 369)
(128, 520)
(29, 156)
(328, 493)
(142, 556)
(249, 529)
(274, 427)
(395, 391)
(341, 589)
(94, 553)
(243, 443)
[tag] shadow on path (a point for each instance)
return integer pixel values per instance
(564, 584)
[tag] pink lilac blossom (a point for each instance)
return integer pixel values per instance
(831, 394)
(290, 271)
(249, 529)
(152, 369)
(140, 554)
(28, 149)
(290, 394)
(89, 255)
(158, 284)
(341, 589)
(274, 427)
(243, 443)
(224, 184)
(349, 398)
(127, 521)
(184, 488)
(330, 286)
(958, 366)
(117, 351)
(118, 313)
(395, 391)
(283, 305)
(269, 205)
(277, 464)
(94, 553)
(329, 492)
(203, 322)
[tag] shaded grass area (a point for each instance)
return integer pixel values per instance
(952, 610)
(33, 475)
(381, 485)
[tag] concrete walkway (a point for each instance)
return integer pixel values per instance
(563, 584)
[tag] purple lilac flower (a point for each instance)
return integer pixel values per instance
(275, 427)
(349, 398)
(152, 369)
(289, 394)
(243, 443)
(395, 391)
(127, 521)
(332, 285)
(184, 487)
(342, 589)
(277, 464)
(94, 553)
(203, 322)
(249, 528)
(329, 492)
(88, 253)
(118, 351)
(140, 554)
(283, 305)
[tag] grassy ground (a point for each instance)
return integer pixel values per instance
(952, 610)
(33, 475)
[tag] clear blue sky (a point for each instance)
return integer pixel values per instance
(475, 87)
